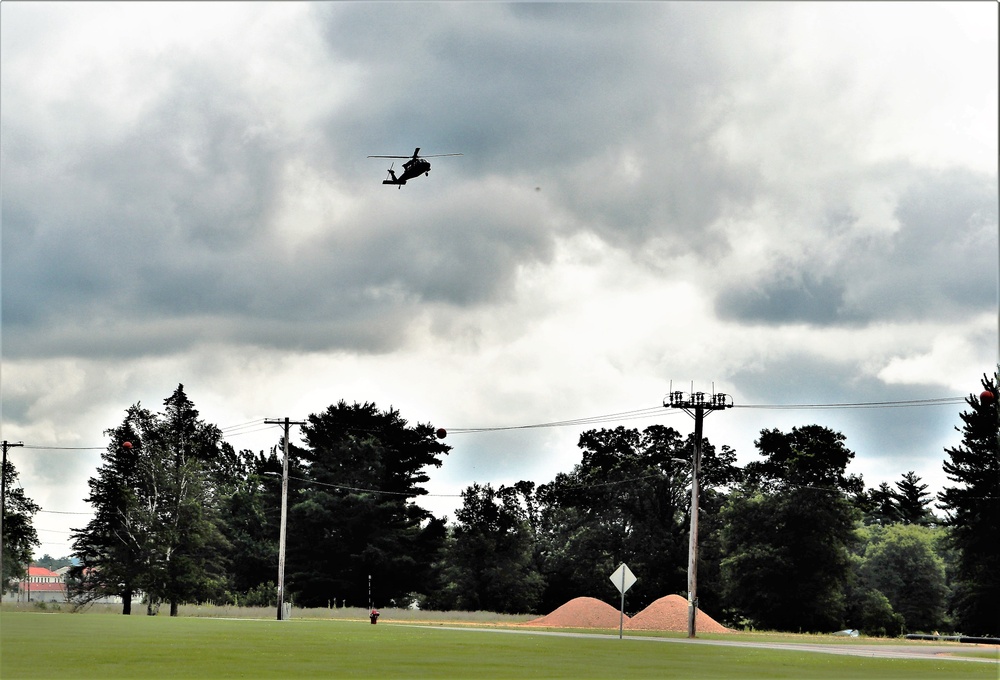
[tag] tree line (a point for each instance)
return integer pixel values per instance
(790, 541)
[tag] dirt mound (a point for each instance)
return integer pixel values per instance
(582, 612)
(671, 613)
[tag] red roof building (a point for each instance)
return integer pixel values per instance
(42, 585)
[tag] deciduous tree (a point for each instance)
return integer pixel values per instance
(787, 534)
(900, 562)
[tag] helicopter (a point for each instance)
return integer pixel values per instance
(415, 166)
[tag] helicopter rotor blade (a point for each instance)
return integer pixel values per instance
(440, 155)
(388, 156)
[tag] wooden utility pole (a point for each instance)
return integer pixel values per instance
(3, 501)
(284, 511)
(695, 406)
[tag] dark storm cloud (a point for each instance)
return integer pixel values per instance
(160, 233)
(939, 264)
(563, 96)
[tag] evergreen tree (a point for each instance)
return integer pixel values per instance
(913, 501)
(252, 513)
(490, 561)
(114, 548)
(188, 541)
(351, 514)
(972, 516)
(156, 501)
(879, 506)
(19, 536)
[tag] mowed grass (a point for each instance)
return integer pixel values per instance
(39, 645)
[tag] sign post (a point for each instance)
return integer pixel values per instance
(623, 578)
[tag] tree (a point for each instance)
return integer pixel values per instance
(196, 467)
(879, 506)
(489, 564)
(900, 562)
(628, 500)
(19, 536)
(972, 514)
(156, 524)
(913, 501)
(114, 548)
(251, 514)
(351, 514)
(788, 532)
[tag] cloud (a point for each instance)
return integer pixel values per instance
(935, 256)
(795, 201)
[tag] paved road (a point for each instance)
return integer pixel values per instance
(903, 651)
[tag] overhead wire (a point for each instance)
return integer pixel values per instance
(258, 425)
(659, 411)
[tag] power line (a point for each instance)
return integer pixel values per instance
(261, 425)
(941, 401)
(387, 493)
(658, 412)
(36, 447)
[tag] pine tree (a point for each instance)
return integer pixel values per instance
(114, 548)
(156, 520)
(913, 500)
(351, 513)
(973, 514)
(189, 541)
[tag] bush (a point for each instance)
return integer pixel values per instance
(873, 615)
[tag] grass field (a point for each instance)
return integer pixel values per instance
(59, 645)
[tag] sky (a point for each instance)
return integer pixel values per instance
(789, 203)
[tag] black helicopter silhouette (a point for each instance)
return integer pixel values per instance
(414, 167)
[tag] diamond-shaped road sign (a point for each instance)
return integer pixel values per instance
(623, 578)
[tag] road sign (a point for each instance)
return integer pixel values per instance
(623, 578)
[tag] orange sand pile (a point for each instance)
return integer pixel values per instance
(671, 613)
(582, 612)
(667, 613)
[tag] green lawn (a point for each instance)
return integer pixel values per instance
(60, 645)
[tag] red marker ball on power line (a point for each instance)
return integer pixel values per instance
(441, 433)
(127, 445)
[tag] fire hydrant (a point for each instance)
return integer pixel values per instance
(374, 616)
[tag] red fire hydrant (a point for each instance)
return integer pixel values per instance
(374, 616)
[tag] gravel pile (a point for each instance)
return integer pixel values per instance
(667, 613)
(671, 613)
(582, 612)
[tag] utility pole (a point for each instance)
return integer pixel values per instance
(3, 503)
(284, 511)
(695, 405)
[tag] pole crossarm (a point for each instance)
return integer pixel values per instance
(708, 402)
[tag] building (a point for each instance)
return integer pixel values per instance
(41, 585)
